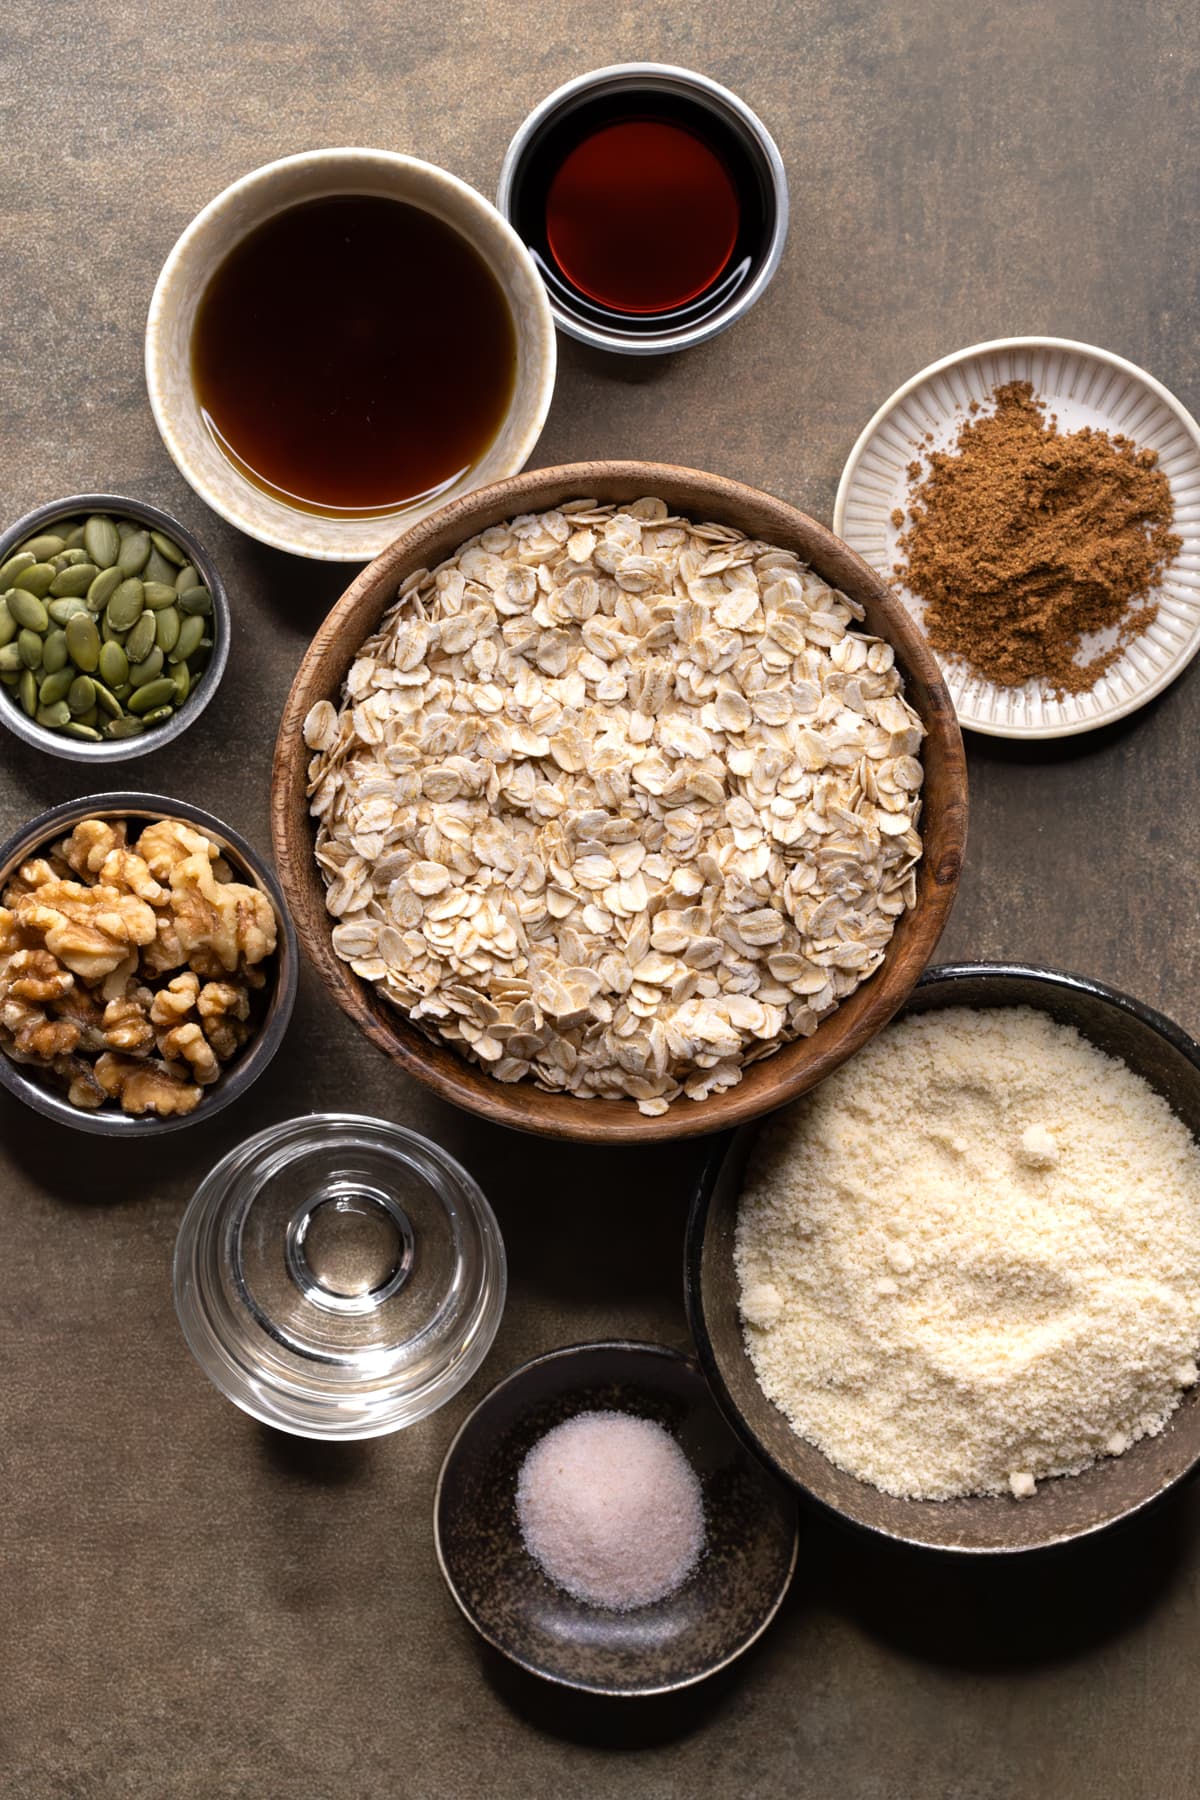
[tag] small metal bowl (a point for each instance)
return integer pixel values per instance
(32, 1087)
(1065, 1507)
(657, 80)
(724, 1605)
(114, 750)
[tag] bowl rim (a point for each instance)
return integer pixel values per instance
(564, 1115)
(640, 1347)
(114, 750)
(249, 1066)
(629, 74)
(939, 976)
(155, 362)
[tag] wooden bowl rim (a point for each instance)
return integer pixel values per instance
(521, 1105)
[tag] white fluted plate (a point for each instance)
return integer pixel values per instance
(1081, 386)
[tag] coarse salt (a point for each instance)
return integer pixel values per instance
(611, 1508)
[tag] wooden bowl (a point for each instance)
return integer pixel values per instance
(796, 1066)
(1065, 1507)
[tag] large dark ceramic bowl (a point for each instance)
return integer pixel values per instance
(1062, 1509)
(728, 1601)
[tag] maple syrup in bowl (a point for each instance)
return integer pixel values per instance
(653, 202)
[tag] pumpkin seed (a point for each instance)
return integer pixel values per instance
(8, 625)
(105, 701)
(72, 532)
(191, 631)
(83, 642)
(158, 594)
(77, 729)
(103, 589)
(125, 526)
(27, 609)
(11, 662)
(34, 580)
(123, 727)
(167, 547)
(81, 695)
(183, 683)
(188, 577)
(9, 677)
(166, 627)
(157, 716)
(102, 541)
(55, 717)
(90, 717)
(14, 567)
(44, 547)
(109, 636)
(30, 645)
(62, 610)
(140, 639)
(159, 569)
(196, 600)
(114, 664)
(134, 553)
(126, 604)
(122, 691)
(67, 559)
(153, 694)
(27, 691)
(54, 651)
(149, 669)
(53, 688)
(74, 580)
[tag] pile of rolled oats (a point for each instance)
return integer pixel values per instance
(617, 802)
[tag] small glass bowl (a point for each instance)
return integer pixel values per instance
(114, 750)
(339, 1277)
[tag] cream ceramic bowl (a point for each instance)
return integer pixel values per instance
(208, 240)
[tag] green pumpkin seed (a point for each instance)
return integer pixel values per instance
(83, 642)
(134, 553)
(9, 677)
(8, 625)
(197, 601)
(155, 693)
(54, 651)
(157, 716)
(65, 559)
(81, 695)
(62, 610)
(103, 589)
(55, 717)
(126, 604)
(183, 682)
(44, 547)
(158, 569)
(109, 636)
(34, 580)
(166, 628)
(71, 533)
(140, 639)
(168, 547)
(11, 660)
(77, 729)
(122, 691)
(149, 669)
(191, 631)
(27, 691)
(53, 688)
(14, 567)
(102, 541)
(30, 646)
(74, 580)
(106, 701)
(158, 594)
(188, 577)
(114, 664)
(27, 609)
(123, 727)
(90, 717)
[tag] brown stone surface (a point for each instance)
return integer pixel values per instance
(191, 1606)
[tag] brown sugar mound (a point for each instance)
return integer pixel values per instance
(1023, 539)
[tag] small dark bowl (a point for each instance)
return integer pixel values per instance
(718, 1612)
(1062, 1509)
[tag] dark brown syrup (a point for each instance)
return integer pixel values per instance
(353, 355)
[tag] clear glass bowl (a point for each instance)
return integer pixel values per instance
(339, 1276)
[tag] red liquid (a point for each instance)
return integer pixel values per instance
(642, 216)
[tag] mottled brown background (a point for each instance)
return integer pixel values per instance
(192, 1606)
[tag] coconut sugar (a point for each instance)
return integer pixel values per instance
(970, 1259)
(611, 1508)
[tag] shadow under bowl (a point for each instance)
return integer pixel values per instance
(1063, 1508)
(794, 1067)
(32, 1086)
(718, 1612)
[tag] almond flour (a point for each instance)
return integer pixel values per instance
(971, 1259)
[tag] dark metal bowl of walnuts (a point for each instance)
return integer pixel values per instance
(148, 966)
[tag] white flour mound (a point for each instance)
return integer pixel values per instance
(971, 1258)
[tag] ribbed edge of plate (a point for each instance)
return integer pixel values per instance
(1083, 386)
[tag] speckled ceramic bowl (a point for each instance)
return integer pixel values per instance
(723, 1606)
(208, 240)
